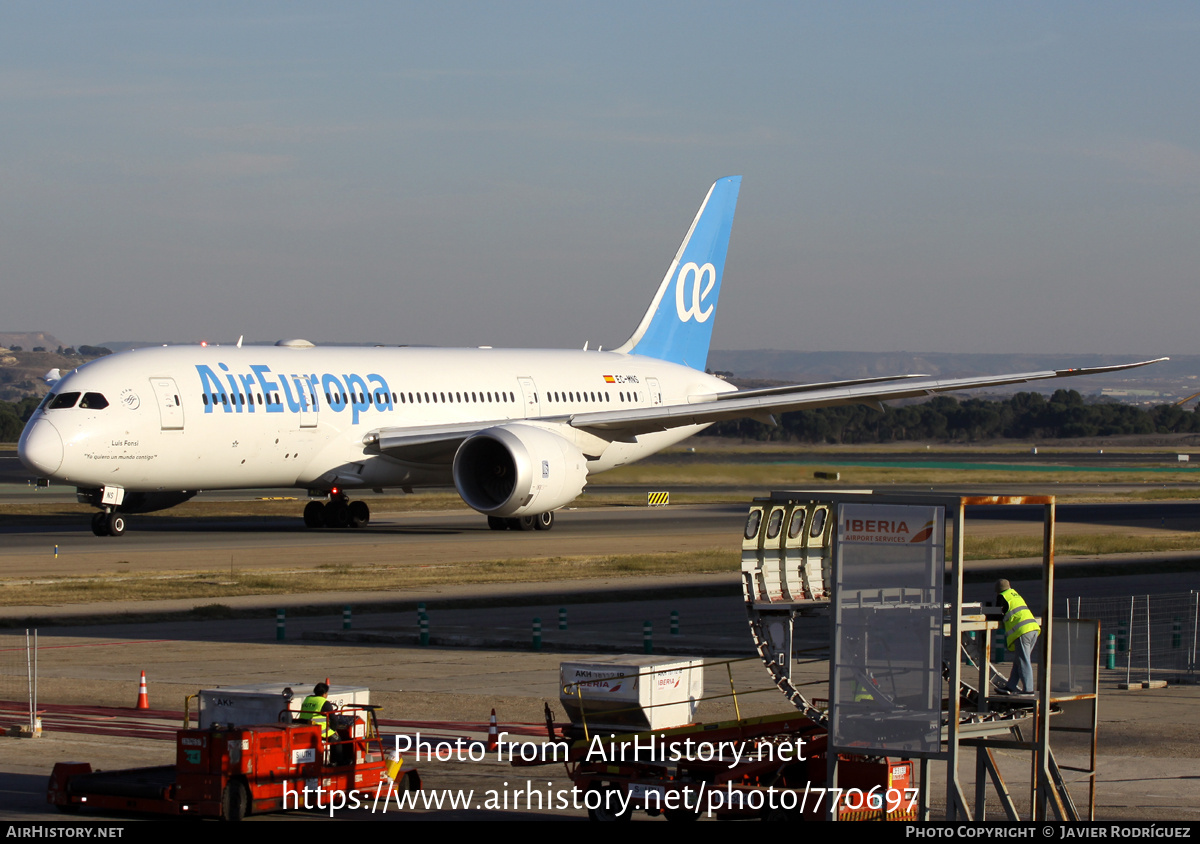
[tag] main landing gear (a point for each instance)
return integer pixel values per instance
(108, 523)
(339, 512)
(542, 521)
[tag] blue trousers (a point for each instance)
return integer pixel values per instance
(1022, 672)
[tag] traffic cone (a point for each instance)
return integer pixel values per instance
(493, 737)
(143, 698)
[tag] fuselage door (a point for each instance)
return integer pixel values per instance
(533, 406)
(170, 409)
(308, 400)
(655, 392)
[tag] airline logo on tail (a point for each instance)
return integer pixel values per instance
(693, 282)
(699, 276)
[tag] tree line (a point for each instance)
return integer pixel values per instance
(1065, 415)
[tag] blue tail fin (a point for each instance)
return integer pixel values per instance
(678, 325)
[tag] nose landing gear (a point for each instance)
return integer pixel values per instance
(108, 523)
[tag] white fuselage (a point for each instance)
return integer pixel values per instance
(224, 417)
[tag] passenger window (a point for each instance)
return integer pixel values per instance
(64, 400)
(96, 401)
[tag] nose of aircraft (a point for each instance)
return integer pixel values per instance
(41, 448)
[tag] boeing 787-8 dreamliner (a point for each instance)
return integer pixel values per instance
(517, 432)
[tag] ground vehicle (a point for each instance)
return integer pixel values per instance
(231, 772)
(770, 767)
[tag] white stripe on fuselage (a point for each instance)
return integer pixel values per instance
(233, 445)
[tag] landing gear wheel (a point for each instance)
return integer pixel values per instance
(360, 514)
(314, 514)
(115, 523)
(100, 524)
(234, 802)
(337, 514)
(543, 521)
(521, 523)
(497, 523)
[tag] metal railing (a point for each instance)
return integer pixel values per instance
(1152, 637)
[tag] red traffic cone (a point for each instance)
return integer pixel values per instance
(143, 698)
(493, 737)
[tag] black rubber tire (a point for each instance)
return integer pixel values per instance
(543, 521)
(100, 524)
(360, 514)
(681, 815)
(235, 802)
(115, 524)
(337, 514)
(497, 523)
(314, 514)
(605, 815)
(521, 523)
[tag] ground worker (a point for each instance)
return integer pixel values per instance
(315, 710)
(1021, 631)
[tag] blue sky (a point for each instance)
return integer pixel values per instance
(922, 177)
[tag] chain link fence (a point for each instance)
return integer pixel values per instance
(1148, 637)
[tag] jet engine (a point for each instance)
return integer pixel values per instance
(518, 470)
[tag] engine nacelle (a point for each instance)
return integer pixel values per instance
(518, 470)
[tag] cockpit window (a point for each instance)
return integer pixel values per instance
(63, 400)
(94, 401)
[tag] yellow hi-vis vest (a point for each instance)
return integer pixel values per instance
(1018, 620)
(310, 713)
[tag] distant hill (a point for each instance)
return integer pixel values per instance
(28, 340)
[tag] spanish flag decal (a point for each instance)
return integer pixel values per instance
(608, 379)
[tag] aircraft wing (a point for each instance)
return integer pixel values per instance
(761, 404)
(427, 443)
(436, 444)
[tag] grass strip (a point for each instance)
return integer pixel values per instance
(346, 577)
